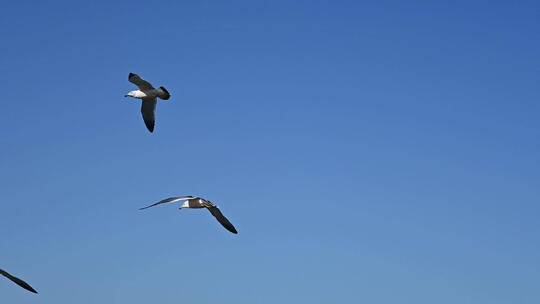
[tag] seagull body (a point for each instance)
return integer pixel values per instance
(148, 94)
(17, 281)
(194, 202)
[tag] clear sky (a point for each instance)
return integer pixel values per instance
(367, 152)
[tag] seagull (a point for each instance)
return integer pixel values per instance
(148, 94)
(198, 202)
(18, 281)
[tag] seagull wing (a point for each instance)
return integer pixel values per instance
(139, 82)
(168, 200)
(18, 281)
(148, 111)
(222, 219)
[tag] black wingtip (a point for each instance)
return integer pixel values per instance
(149, 126)
(231, 229)
(167, 94)
(131, 75)
(25, 285)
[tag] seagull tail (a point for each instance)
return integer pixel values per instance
(164, 94)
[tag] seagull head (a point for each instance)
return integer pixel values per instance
(135, 94)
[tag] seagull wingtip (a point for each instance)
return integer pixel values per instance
(29, 288)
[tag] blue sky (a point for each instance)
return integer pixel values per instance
(377, 152)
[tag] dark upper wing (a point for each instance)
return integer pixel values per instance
(18, 281)
(168, 200)
(148, 110)
(139, 82)
(222, 219)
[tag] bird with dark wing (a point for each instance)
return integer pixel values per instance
(194, 202)
(148, 94)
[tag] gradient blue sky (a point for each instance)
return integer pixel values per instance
(374, 152)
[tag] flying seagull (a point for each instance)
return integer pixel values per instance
(148, 94)
(198, 202)
(18, 281)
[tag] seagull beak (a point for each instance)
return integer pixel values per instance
(126, 95)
